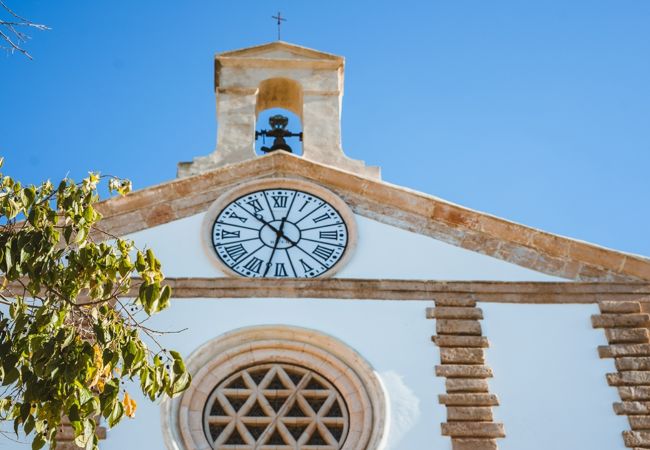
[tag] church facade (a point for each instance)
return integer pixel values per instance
(323, 308)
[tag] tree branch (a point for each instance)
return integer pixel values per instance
(10, 31)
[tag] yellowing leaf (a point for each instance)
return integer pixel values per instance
(98, 363)
(129, 405)
(98, 359)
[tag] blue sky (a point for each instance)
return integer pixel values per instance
(538, 112)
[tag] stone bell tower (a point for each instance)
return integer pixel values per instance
(306, 82)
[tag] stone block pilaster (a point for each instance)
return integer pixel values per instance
(470, 423)
(65, 436)
(626, 329)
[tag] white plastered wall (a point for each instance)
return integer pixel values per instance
(382, 252)
(548, 376)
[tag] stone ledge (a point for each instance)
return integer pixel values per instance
(632, 378)
(619, 307)
(636, 393)
(455, 302)
(620, 320)
(632, 408)
(468, 399)
(463, 371)
(637, 438)
(456, 355)
(627, 335)
(473, 444)
(454, 312)
(627, 363)
(544, 292)
(469, 413)
(473, 429)
(458, 327)
(639, 422)
(461, 341)
(454, 385)
(617, 350)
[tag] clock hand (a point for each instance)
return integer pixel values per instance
(278, 234)
(261, 219)
(284, 236)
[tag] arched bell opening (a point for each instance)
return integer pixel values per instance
(278, 111)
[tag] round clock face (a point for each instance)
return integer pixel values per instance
(280, 233)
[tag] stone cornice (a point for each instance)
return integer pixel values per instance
(458, 292)
(414, 211)
(339, 288)
(297, 50)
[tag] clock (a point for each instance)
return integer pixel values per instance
(280, 228)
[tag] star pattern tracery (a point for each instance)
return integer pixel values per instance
(276, 407)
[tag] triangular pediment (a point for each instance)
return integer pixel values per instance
(281, 51)
(385, 203)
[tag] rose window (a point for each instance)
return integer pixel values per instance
(275, 406)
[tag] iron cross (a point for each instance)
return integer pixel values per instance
(280, 19)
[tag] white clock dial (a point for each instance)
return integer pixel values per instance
(280, 233)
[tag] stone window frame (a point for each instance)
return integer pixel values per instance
(182, 417)
(276, 404)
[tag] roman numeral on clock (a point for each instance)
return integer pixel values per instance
(254, 265)
(235, 251)
(323, 252)
(225, 234)
(233, 215)
(306, 267)
(279, 201)
(280, 271)
(321, 218)
(255, 204)
(328, 234)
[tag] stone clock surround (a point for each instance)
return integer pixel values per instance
(276, 183)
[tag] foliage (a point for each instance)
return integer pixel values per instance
(70, 338)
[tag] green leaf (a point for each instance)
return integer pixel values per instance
(10, 376)
(51, 362)
(87, 433)
(38, 442)
(181, 383)
(116, 414)
(28, 425)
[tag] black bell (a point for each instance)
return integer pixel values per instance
(278, 131)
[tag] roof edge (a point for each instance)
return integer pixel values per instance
(294, 48)
(408, 209)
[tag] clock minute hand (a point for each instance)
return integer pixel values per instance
(278, 234)
(261, 219)
(284, 236)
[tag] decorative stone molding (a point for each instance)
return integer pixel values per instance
(405, 290)
(626, 329)
(386, 203)
(337, 364)
(470, 423)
